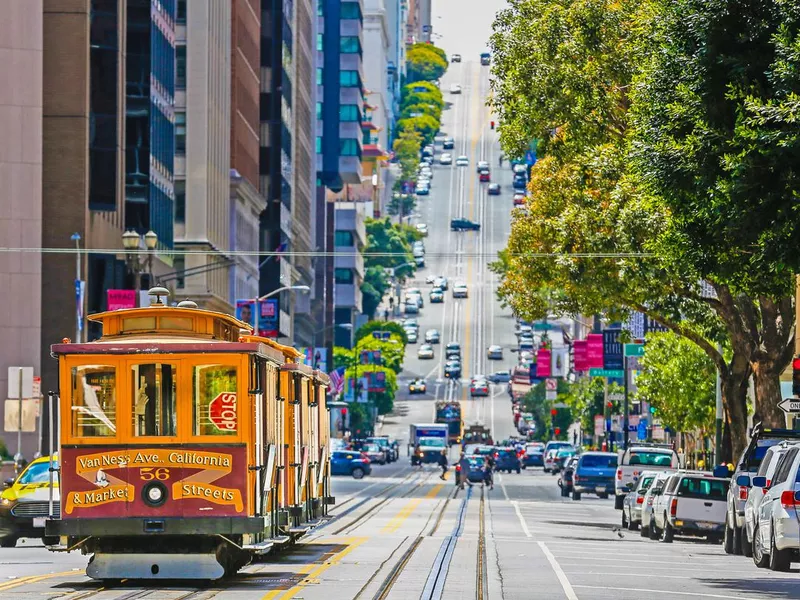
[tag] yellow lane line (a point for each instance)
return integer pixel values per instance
(8, 585)
(400, 517)
(315, 573)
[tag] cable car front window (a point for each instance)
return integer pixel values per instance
(94, 401)
(153, 394)
(215, 406)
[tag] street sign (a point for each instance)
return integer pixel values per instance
(599, 425)
(11, 419)
(634, 349)
(14, 374)
(608, 373)
(612, 349)
(550, 395)
(615, 396)
(222, 411)
(790, 405)
(550, 385)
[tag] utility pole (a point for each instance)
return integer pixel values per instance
(76, 237)
(718, 419)
(625, 419)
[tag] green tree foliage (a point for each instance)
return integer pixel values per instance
(586, 398)
(541, 409)
(373, 288)
(428, 46)
(424, 62)
(396, 330)
(425, 125)
(420, 87)
(405, 203)
(678, 379)
(426, 98)
(414, 110)
(407, 148)
(389, 245)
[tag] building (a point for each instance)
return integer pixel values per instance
(396, 16)
(286, 159)
(21, 48)
(203, 154)
(425, 24)
(413, 33)
(350, 238)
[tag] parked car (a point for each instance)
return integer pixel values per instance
(411, 335)
(519, 182)
(692, 503)
(385, 445)
(422, 228)
(499, 377)
(25, 503)
(519, 199)
(655, 489)
(494, 352)
(534, 455)
(634, 499)
(417, 386)
(566, 476)
(594, 474)
(638, 458)
(422, 190)
(561, 457)
(552, 445)
(506, 459)
(462, 224)
(350, 463)
(411, 308)
(374, 453)
(448, 143)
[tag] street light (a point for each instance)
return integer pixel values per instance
(294, 288)
(132, 241)
(76, 237)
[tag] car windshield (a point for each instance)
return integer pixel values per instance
(475, 462)
(533, 449)
(700, 487)
(371, 448)
(755, 458)
(658, 459)
(645, 483)
(598, 461)
(380, 441)
(508, 453)
(36, 473)
(433, 442)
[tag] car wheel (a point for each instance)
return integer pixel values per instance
(564, 492)
(727, 539)
(747, 545)
(524, 467)
(603, 496)
(50, 540)
(8, 542)
(358, 473)
(654, 532)
(632, 525)
(547, 470)
(576, 495)
(667, 533)
(737, 539)
(644, 531)
(518, 471)
(625, 523)
(779, 560)
(760, 557)
(619, 501)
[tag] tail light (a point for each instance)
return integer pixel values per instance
(789, 499)
(364, 457)
(673, 507)
(640, 500)
(575, 478)
(619, 474)
(497, 455)
(765, 489)
(744, 492)
(458, 468)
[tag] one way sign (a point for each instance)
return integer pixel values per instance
(790, 405)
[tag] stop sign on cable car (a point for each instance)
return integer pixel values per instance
(222, 411)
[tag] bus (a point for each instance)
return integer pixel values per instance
(450, 412)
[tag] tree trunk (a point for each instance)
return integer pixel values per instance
(768, 395)
(734, 397)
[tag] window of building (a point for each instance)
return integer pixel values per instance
(153, 395)
(319, 145)
(348, 147)
(94, 401)
(320, 42)
(214, 389)
(348, 78)
(343, 275)
(180, 201)
(181, 16)
(351, 10)
(319, 75)
(179, 264)
(343, 238)
(320, 8)
(348, 112)
(349, 44)
(180, 66)
(319, 111)
(180, 133)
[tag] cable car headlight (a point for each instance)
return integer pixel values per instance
(154, 493)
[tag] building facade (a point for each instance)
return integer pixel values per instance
(350, 238)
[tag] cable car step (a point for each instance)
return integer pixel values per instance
(259, 547)
(281, 540)
(298, 530)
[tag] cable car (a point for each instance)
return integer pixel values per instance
(188, 446)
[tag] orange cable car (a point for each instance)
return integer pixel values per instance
(188, 445)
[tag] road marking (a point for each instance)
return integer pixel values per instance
(503, 486)
(8, 585)
(662, 592)
(562, 577)
(314, 574)
(521, 519)
(394, 524)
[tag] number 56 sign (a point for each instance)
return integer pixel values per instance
(222, 411)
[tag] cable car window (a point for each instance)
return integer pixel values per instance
(215, 406)
(154, 399)
(94, 401)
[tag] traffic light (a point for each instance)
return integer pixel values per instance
(558, 430)
(492, 124)
(553, 412)
(796, 377)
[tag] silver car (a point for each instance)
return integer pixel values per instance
(655, 489)
(634, 500)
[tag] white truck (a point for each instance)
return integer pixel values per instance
(431, 439)
(692, 503)
(637, 459)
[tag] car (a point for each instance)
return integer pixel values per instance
(534, 455)
(24, 504)
(419, 261)
(455, 58)
(374, 453)
(415, 298)
(634, 499)
(549, 459)
(383, 442)
(448, 143)
(749, 462)
(422, 228)
(452, 369)
(440, 282)
(350, 463)
(767, 470)
(479, 387)
(411, 334)
(486, 58)
(463, 224)
(565, 478)
(519, 199)
(477, 449)
(483, 165)
(455, 88)
(423, 191)
(499, 377)
(594, 474)
(553, 445)
(462, 161)
(484, 176)
(520, 169)
(428, 150)
(494, 352)
(655, 489)
(562, 454)
(519, 184)
(636, 459)
(417, 386)
(446, 159)
(436, 296)
(526, 344)
(493, 189)
(506, 459)
(776, 538)
(460, 290)
(425, 352)
(411, 308)
(692, 503)
(452, 349)
(411, 323)
(432, 336)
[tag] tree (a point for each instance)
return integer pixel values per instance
(426, 125)
(407, 148)
(423, 62)
(541, 409)
(427, 46)
(395, 329)
(401, 204)
(678, 380)
(389, 246)
(420, 86)
(373, 288)
(415, 110)
(423, 97)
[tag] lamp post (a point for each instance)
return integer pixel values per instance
(76, 237)
(323, 330)
(132, 241)
(257, 307)
(397, 283)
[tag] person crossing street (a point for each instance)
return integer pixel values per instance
(463, 473)
(443, 465)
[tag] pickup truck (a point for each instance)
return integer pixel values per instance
(594, 474)
(692, 503)
(635, 460)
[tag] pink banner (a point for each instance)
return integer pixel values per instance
(117, 299)
(543, 363)
(580, 349)
(594, 351)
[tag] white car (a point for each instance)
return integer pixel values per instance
(455, 58)
(460, 290)
(455, 88)
(422, 228)
(692, 503)
(462, 161)
(446, 159)
(411, 308)
(425, 351)
(411, 334)
(655, 489)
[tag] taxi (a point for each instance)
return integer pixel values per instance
(25, 503)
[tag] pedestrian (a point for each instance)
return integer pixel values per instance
(500, 159)
(488, 478)
(463, 474)
(443, 464)
(417, 459)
